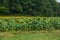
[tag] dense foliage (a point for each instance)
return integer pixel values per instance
(29, 23)
(29, 7)
(58, 10)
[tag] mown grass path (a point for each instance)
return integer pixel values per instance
(32, 35)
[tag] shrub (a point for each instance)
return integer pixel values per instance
(29, 23)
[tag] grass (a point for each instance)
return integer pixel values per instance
(25, 17)
(31, 35)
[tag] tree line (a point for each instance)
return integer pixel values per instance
(48, 8)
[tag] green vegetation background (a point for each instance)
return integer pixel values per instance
(42, 8)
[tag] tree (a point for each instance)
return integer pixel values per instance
(4, 7)
(58, 11)
(41, 8)
(55, 6)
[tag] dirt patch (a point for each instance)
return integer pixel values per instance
(13, 33)
(6, 34)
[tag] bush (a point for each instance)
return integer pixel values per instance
(29, 23)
